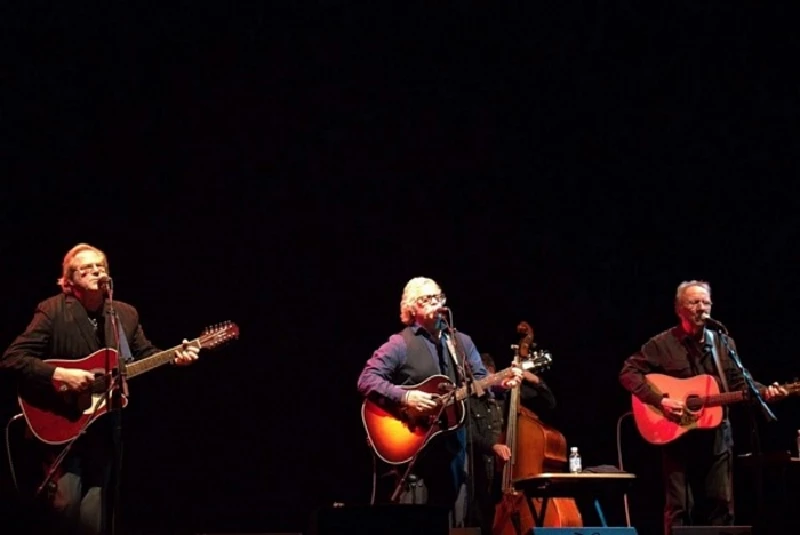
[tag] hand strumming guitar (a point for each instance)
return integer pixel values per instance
(672, 407)
(419, 400)
(74, 379)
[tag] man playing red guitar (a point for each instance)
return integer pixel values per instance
(70, 326)
(696, 466)
(410, 357)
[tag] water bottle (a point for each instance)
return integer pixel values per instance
(574, 460)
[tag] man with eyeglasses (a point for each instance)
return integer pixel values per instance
(412, 356)
(696, 467)
(71, 326)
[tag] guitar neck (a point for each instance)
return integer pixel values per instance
(489, 380)
(152, 362)
(729, 398)
(724, 398)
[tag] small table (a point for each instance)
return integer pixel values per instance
(568, 485)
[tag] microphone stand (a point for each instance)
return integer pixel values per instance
(755, 441)
(114, 404)
(464, 372)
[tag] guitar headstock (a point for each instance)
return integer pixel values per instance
(216, 335)
(791, 388)
(537, 361)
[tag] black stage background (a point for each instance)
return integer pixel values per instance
(290, 167)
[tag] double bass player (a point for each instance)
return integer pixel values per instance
(488, 414)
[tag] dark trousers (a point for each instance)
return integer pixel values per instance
(485, 486)
(697, 481)
(76, 501)
(437, 475)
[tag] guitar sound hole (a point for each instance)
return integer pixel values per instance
(694, 403)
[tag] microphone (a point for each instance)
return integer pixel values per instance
(714, 324)
(104, 282)
(441, 315)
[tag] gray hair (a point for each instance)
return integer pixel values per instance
(685, 285)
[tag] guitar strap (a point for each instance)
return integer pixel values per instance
(124, 348)
(715, 354)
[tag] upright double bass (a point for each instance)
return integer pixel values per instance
(535, 448)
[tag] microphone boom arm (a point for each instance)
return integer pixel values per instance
(755, 395)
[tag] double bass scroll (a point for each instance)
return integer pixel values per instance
(535, 448)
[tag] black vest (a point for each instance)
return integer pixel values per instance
(420, 363)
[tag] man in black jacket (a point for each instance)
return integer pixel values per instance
(71, 326)
(697, 466)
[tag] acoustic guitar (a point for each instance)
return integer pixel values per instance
(396, 435)
(56, 416)
(703, 406)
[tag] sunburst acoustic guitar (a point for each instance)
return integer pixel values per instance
(396, 435)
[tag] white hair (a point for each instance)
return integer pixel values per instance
(411, 293)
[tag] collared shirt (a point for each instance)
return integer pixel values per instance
(379, 373)
(674, 353)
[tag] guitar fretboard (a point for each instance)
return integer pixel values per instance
(489, 380)
(152, 362)
(728, 398)
(724, 398)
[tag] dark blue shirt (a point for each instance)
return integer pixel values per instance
(379, 372)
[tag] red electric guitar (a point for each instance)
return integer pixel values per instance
(56, 416)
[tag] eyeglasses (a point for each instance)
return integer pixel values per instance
(435, 299)
(86, 268)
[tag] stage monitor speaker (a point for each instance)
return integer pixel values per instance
(712, 530)
(386, 519)
(583, 531)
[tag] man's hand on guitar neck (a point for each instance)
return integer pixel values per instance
(186, 355)
(775, 391)
(419, 400)
(73, 378)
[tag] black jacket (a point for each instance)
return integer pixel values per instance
(60, 329)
